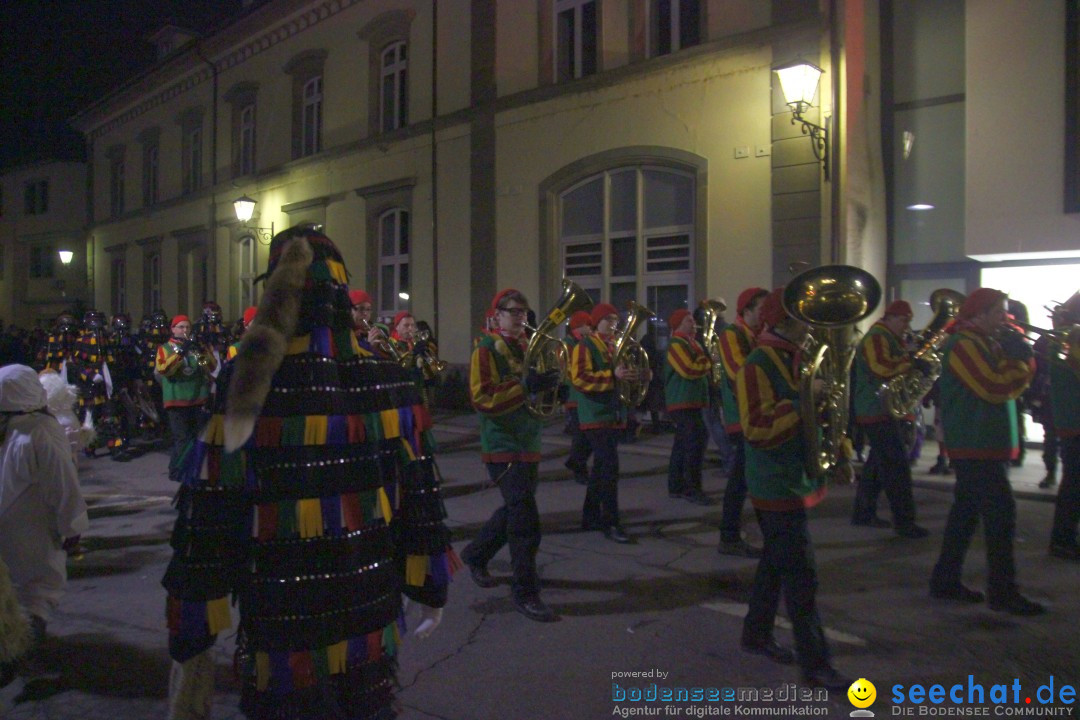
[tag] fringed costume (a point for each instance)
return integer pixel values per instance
(327, 511)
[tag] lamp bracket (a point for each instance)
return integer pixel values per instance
(263, 235)
(819, 136)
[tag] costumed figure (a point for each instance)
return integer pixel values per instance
(61, 400)
(59, 347)
(94, 362)
(153, 331)
(210, 331)
(578, 460)
(186, 369)
(369, 334)
(686, 392)
(311, 496)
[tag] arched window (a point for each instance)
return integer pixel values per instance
(394, 96)
(628, 234)
(393, 261)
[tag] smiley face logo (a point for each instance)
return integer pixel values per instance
(862, 693)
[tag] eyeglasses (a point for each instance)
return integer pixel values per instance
(517, 312)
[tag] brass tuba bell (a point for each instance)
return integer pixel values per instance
(545, 352)
(710, 311)
(830, 299)
(629, 354)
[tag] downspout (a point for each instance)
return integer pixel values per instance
(835, 126)
(91, 263)
(212, 223)
(434, 165)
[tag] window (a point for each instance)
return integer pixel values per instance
(393, 261)
(394, 99)
(575, 39)
(628, 234)
(119, 285)
(673, 25)
(246, 259)
(36, 197)
(311, 118)
(41, 261)
(247, 139)
(116, 181)
(193, 159)
(152, 280)
(150, 173)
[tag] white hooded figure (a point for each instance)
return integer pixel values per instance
(61, 399)
(41, 505)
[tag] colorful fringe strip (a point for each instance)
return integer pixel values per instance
(286, 671)
(440, 567)
(316, 517)
(198, 619)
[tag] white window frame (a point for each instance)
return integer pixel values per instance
(393, 70)
(153, 280)
(247, 264)
(577, 55)
(398, 260)
(674, 28)
(247, 139)
(311, 116)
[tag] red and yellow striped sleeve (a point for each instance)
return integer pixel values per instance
(732, 353)
(166, 363)
(767, 420)
(584, 376)
(994, 380)
(881, 357)
(687, 364)
(490, 393)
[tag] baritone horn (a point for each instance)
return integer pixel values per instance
(711, 310)
(545, 352)
(830, 299)
(629, 354)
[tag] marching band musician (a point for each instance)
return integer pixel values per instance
(406, 340)
(686, 392)
(249, 316)
(1065, 388)
(363, 311)
(510, 442)
(882, 356)
(578, 460)
(185, 387)
(737, 341)
(780, 491)
(985, 370)
(602, 418)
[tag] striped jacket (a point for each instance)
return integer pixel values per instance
(736, 342)
(979, 386)
(881, 356)
(183, 382)
(768, 392)
(508, 432)
(686, 370)
(593, 376)
(1065, 387)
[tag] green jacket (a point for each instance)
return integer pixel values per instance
(686, 375)
(183, 382)
(593, 376)
(1065, 388)
(508, 431)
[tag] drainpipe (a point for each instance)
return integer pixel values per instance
(212, 224)
(434, 165)
(835, 126)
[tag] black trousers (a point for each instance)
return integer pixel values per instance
(787, 565)
(1051, 447)
(578, 461)
(735, 492)
(516, 523)
(601, 508)
(887, 468)
(184, 426)
(982, 491)
(687, 451)
(1067, 509)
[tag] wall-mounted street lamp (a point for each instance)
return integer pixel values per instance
(65, 257)
(799, 83)
(245, 208)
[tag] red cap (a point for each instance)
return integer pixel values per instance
(578, 319)
(601, 311)
(980, 301)
(772, 308)
(249, 315)
(499, 296)
(177, 319)
(747, 297)
(899, 307)
(402, 314)
(358, 296)
(676, 318)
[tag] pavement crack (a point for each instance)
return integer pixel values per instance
(470, 639)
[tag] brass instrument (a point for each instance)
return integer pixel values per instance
(830, 299)
(628, 353)
(902, 394)
(383, 345)
(711, 310)
(193, 348)
(430, 364)
(545, 352)
(1059, 337)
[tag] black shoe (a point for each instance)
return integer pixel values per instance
(481, 576)
(912, 532)
(616, 534)
(1065, 552)
(874, 522)
(535, 609)
(738, 548)
(940, 468)
(697, 498)
(828, 678)
(772, 650)
(1016, 604)
(957, 592)
(1048, 482)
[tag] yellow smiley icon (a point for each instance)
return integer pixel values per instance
(862, 693)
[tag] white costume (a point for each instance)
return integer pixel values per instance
(61, 398)
(40, 500)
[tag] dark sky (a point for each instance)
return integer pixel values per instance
(58, 55)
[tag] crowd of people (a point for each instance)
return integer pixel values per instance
(309, 494)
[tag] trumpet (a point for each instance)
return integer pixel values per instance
(430, 364)
(382, 345)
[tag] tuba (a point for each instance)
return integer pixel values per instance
(545, 352)
(629, 353)
(830, 299)
(711, 310)
(902, 394)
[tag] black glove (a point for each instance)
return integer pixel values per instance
(923, 365)
(538, 382)
(420, 347)
(1015, 346)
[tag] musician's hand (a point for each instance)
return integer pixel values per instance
(626, 373)
(538, 382)
(98, 379)
(1015, 346)
(375, 336)
(429, 620)
(923, 365)
(420, 347)
(817, 387)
